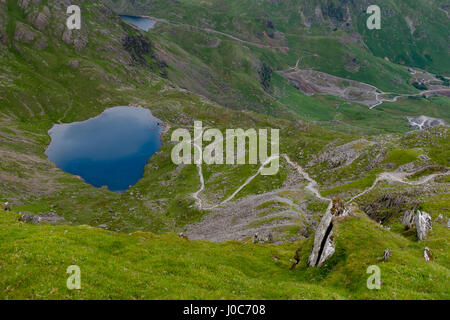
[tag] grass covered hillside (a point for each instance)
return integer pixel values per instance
(148, 266)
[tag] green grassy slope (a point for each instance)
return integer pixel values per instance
(146, 266)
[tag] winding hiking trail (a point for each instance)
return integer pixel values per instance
(312, 185)
(209, 30)
(395, 99)
(398, 177)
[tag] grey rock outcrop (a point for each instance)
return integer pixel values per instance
(324, 246)
(30, 218)
(408, 219)
(387, 255)
(423, 224)
(23, 33)
(51, 218)
(421, 220)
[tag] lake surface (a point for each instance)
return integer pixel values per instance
(110, 150)
(140, 22)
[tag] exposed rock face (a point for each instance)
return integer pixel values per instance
(42, 19)
(52, 218)
(409, 219)
(421, 220)
(323, 241)
(341, 155)
(30, 218)
(23, 33)
(387, 206)
(138, 47)
(423, 224)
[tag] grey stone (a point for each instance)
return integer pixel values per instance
(427, 254)
(423, 224)
(324, 246)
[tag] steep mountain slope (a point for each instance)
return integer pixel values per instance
(75, 76)
(254, 52)
(414, 33)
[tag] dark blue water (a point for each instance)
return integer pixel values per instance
(140, 22)
(110, 150)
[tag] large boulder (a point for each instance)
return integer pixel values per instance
(421, 220)
(423, 224)
(324, 246)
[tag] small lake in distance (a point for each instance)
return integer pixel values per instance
(140, 22)
(110, 150)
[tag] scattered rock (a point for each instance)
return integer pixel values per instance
(182, 235)
(103, 226)
(387, 255)
(427, 254)
(448, 223)
(73, 64)
(23, 33)
(30, 218)
(67, 36)
(423, 224)
(297, 261)
(41, 21)
(424, 157)
(6, 206)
